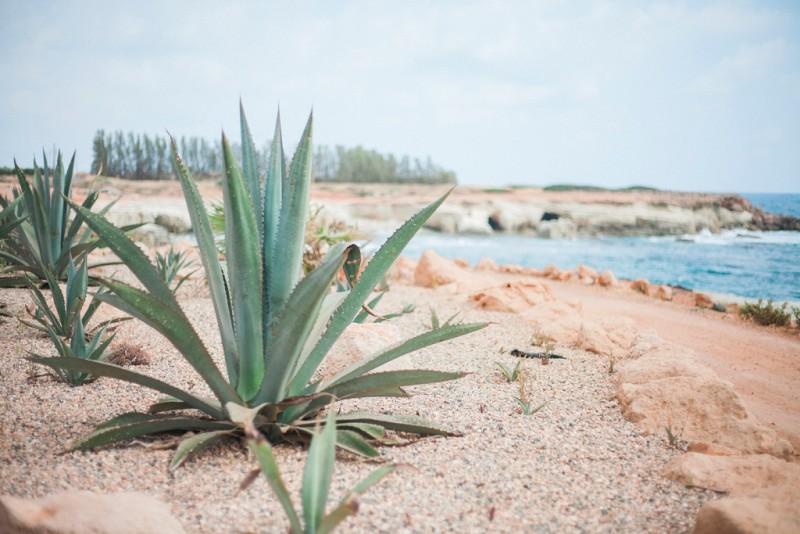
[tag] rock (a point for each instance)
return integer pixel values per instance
(556, 320)
(607, 279)
(751, 475)
(701, 300)
(641, 285)
(566, 276)
(660, 292)
(708, 414)
(358, 341)
(586, 275)
(665, 386)
(434, 270)
(747, 515)
(151, 235)
(402, 270)
(609, 336)
(177, 222)
(511, 297)
(461, 262)
(77, 512)
(486, 264)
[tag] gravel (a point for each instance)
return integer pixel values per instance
(574, 466)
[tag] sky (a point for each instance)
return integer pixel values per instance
(692, 96)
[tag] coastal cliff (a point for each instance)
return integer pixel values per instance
(468, 210)
(550, 214)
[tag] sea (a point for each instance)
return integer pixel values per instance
(746, 264)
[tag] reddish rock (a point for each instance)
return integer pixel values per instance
(747, 515)
(607, 279)
(512, 297)
(403, 270)
(78, 512)
(434, 270)
(566, 276)
(660, 292)
(641, 285)
(609, 336)
(702, 300)
(461, 262)
(556, 320)
(664, 385)
(486, 264)
(586, 275)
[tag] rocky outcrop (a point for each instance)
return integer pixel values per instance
(511, 297)
(78, 512)
(664, 387)
(763, 492)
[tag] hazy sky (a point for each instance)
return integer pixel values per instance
(682, 95)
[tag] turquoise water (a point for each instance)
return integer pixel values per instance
(737, 262)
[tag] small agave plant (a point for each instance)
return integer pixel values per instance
(275, 327)
(49, 236)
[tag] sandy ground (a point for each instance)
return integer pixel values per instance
(576, 466)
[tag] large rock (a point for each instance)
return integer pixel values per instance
(753, 475)
(79, 512)
(664, 386)
(512, 297)
(433, 270)
(557, 320)
(612, 335)
(747, 516)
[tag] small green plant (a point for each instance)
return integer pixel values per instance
(436, 323)
(170, 265)
(66, 326)
(511, 375)
(524, 399)
(317, 476)
(766, 314)
(49, 235)
(796, 315)
(67, 307)
(275, 326)
(673, 437)
(8, 217)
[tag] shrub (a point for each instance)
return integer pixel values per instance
(275, 327)
(766, 314)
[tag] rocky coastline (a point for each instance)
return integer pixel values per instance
(476, 211)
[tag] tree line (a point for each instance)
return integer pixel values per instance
(144, 157)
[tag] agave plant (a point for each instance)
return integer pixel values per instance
(275, 327)
(317, 476)
(170, 264)
(8, 218)
(66, 326)
(61, 317)
(48, 237)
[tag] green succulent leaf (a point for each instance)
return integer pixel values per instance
(244, 269)
(151, 424)
(318, 473)
(367, 281)
(97, 368)
(194, 444)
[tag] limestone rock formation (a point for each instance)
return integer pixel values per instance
(79, 512)
(434, 270)
(511, 297)
(764, 492)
